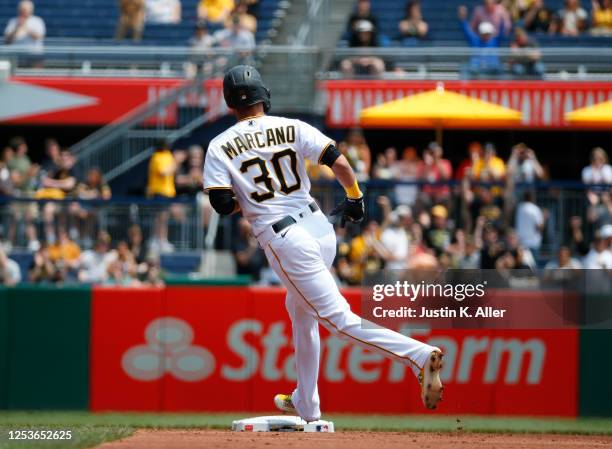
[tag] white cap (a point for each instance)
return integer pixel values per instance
(364, 26)
(605, 232)
(486, 28)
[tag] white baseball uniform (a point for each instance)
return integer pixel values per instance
(262, 159)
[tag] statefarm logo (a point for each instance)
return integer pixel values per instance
(256, 349)
(168, 350)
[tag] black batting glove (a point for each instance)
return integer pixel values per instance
(351, 209)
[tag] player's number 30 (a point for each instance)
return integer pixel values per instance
(264, 176)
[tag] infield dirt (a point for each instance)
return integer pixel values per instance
(220, 439)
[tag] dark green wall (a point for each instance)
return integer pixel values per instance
(48, 348)
(595, 373)
(3, 348)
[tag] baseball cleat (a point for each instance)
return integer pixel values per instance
(283, 402)
(429, 378)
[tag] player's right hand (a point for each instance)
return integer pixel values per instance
(351, 209)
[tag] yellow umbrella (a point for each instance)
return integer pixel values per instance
(440, 109)
(599, 115)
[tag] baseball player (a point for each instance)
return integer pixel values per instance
(258, 167)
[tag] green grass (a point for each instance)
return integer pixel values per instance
(91, 429)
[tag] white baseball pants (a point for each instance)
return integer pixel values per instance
(301, 256)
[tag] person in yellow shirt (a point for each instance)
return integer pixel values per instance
(162, 168)
(215, 11)
(64, 252)
(601, 18)
(491, 168)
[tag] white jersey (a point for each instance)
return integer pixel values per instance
(263, 160)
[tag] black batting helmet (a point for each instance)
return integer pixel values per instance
(243, 86)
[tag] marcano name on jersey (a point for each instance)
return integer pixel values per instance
(249, 141)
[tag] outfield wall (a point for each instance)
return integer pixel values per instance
(195, 348)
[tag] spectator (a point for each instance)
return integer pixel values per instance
(250, 258)
(94, 263)
(10, 273)
(601, 18)
(42, 269)
(236, 37)
(467, 166)
(525, 57)
(131, 19)
(136, 244)
(22, 177)
(6, 186)
(201, 40)
(395, 237)
(65, 253)
(490, 168)
(117, 276)
(52, 157)
(357, 151)
(153, 276)
(492, 247)
(600, 255)
(513, 244)
(529, 223)
(486, 61)
(599, 212)
(599, 171)
(434, 169)
(189, 174)
(85, 215)
(248, 21)
(57, 185)
(438, 236)
(362, 12)
(162, 168)
(564, 261)
(215, 11)
(366, 253)
(406, 170)
(493, 13)
(386, 165)
(363, 36)
(573, 18)
(523, 165)
(163, 11)
(538, 17)
(413, 25)
(26, 32)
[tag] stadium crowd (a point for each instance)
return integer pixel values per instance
(481, 213)
(493, 24)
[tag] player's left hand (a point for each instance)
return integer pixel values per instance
(351, 209)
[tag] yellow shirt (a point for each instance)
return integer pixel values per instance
(68, 251)
(495, 168)
(216, 10)
(160, 184)
(602, 18)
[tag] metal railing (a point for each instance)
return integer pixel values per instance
(130, 139)
(559, 63)
(440, 62)
(190, 217)
(187, 220)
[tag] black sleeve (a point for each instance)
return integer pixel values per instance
(222, 201)
(329, 156)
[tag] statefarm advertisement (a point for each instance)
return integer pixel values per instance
(230, 349)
